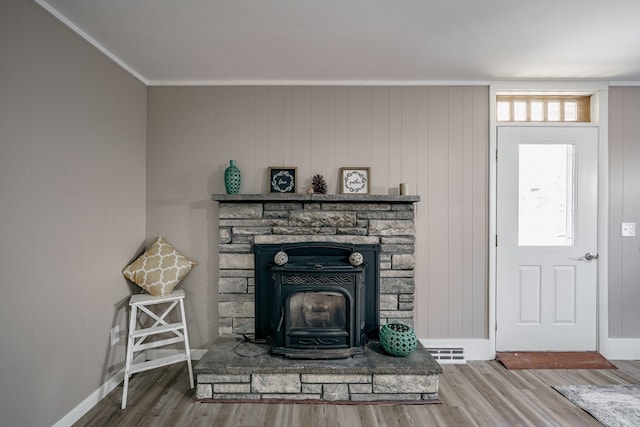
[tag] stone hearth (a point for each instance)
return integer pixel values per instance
(223, 374)
(227, 373)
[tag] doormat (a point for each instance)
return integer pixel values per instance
(612, 405)
(554, 360)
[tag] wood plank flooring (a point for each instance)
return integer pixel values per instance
(476, 394)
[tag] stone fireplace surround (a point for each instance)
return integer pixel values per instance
(245, 220)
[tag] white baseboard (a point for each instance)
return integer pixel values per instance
(473, 349)
(92, 400)
(623, 349)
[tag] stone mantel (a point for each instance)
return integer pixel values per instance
(311, 198)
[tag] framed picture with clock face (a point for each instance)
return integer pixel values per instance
(282, 179)
(355, 180)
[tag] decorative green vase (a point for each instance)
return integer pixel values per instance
(232, 178)
(398, 339)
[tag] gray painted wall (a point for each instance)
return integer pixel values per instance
(624, 191)
(435, 139)
(72, 213)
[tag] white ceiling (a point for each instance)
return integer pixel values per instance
(361, 41)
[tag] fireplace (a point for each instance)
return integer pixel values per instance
(317, 233)
(317, 300)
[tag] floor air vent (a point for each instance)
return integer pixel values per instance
(448, 354)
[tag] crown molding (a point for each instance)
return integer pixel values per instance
(58, 15)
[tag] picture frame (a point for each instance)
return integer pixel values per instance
(355, 180)
(283, 179)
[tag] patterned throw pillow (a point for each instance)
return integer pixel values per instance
(159, 269)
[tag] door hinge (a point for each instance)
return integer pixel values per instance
(496, 240)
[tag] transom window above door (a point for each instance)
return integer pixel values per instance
(543, 108)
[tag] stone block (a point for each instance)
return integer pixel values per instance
(292, 396)
(406, 306)
(332, 392)
(237, 273)
(236, 261)
(232, 285)
(352, 231)
(396, 315)
(232, 388)
(203, 391)
(398, 240)
(304, 230)
(244, 325)
(224, 235)
(275, 383)
(384, 383)
(224, 330)
(356, 206)
(239, 231)
(333, 379)
(216, 378)
(384, 227)
(312, 206)
(403, 207)
(403, 262)
(243, 239)
(277, 239)
(236, 297)
(408, 397)
(236, 248)
(312, 388)
(236, 396)
(386, 215)
(307, 218)
(397, 249)
(225, 322)
(429, 396)
(395, 285)
(397, 273)
(388, 302)
(262, 222)
(360, 388)
(236, 309)
(276, 215)
(239, 210)
(288, 206)
(406, 298)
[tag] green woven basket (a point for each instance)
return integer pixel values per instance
(398, 339)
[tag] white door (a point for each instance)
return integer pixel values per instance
(546, 239)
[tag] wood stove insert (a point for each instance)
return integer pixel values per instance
(317, 300)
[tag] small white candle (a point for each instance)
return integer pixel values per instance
(403, 189)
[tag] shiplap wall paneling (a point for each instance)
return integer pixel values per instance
(624, 256)
(433, 138)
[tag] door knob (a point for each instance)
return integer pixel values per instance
(590, 257)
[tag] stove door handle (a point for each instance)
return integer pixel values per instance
(280, 321)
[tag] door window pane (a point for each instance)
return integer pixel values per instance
(570, 111)
(504, 111)
(537, 111)
(520, 111)
(546, 194)
(553, 111)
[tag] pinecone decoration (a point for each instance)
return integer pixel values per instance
(318, 184)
